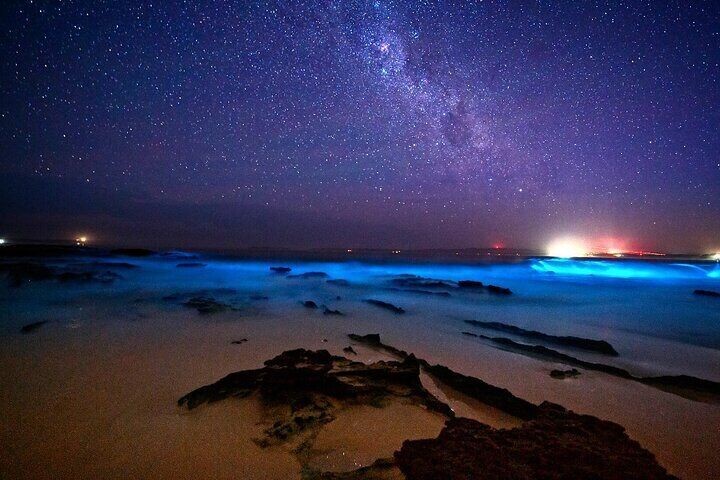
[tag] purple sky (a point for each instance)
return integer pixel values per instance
(361, 123)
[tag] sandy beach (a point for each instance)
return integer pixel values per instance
(93, 392)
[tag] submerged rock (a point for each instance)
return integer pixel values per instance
(385, 305)
(480, 286)
(707, 293)
(598, 346)
(420, 282)
(238, 342)
(499, 290)
(207, 305)
(309, 304)
(32, 327)
(191, 265)
(556, 444)
(281, 269)
(471, 284)
(420, 291)
(339, 282)
(309, 275)
(562, 374)
(328, 311)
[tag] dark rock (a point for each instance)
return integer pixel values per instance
(309, 275)
(707, 293)
(349, 350)
(542, 352)
(324, 340)
(686, 386)
(470, 334)
(496, 397)
(281, 269)
(207, 305)
(475, 285)
(310, 386)
(498, 290)
(372, 340)
(191, 265)
(415, 281)
(556, 444)
(259, 297)
(561, 374)
(32, 327)
(385, 305)
(598, 346)
(471, 284)
(420, 291)
(305, 389)
(238, 342)
(309, 304)
(328, 311)
(694, 388)
(133, 252)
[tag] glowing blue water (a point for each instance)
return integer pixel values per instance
(628, 269)
(585, 297)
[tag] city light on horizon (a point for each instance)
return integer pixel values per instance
(567, 247)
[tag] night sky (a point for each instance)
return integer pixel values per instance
(361, 123)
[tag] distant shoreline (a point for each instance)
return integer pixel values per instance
(464, 255)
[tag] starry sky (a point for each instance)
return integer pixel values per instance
(361, 123)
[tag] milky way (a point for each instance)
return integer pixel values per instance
(332, 123)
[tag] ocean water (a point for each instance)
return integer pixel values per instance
(617, 297)
(107, 367)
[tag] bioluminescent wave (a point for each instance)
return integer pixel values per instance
(627, 269)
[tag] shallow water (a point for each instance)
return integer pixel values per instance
(92, 392)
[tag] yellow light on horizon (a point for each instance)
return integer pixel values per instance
(715, 256)
(2, 241)
(567, 248)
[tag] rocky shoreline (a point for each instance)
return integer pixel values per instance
(302, 390)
